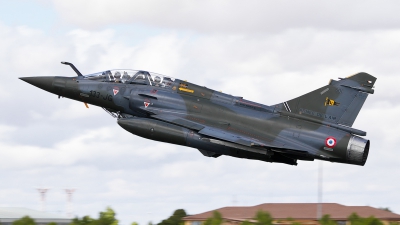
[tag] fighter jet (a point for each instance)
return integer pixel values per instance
(316, 125)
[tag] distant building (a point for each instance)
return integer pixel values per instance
(304, 213)
(9, 214)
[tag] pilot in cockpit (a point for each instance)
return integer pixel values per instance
(157, 81)
(125, 77)
(117, 76)
(109, 76)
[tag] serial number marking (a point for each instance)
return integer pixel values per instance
(317, 114)
(96, 94)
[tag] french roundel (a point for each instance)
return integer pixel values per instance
(330, 142)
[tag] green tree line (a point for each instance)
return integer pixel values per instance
(264, 218)
(105, 218)
(108, 217)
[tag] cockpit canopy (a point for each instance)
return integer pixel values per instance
(131, 77)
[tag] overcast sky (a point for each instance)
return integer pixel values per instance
(265, 51)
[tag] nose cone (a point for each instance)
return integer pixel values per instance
(45, 83)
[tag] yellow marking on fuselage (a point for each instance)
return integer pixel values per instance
(186, 90)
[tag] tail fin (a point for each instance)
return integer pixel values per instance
(338, 102)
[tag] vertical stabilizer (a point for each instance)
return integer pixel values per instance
(338, 102)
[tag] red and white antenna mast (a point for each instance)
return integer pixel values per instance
(69, 192)
(42, 192)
